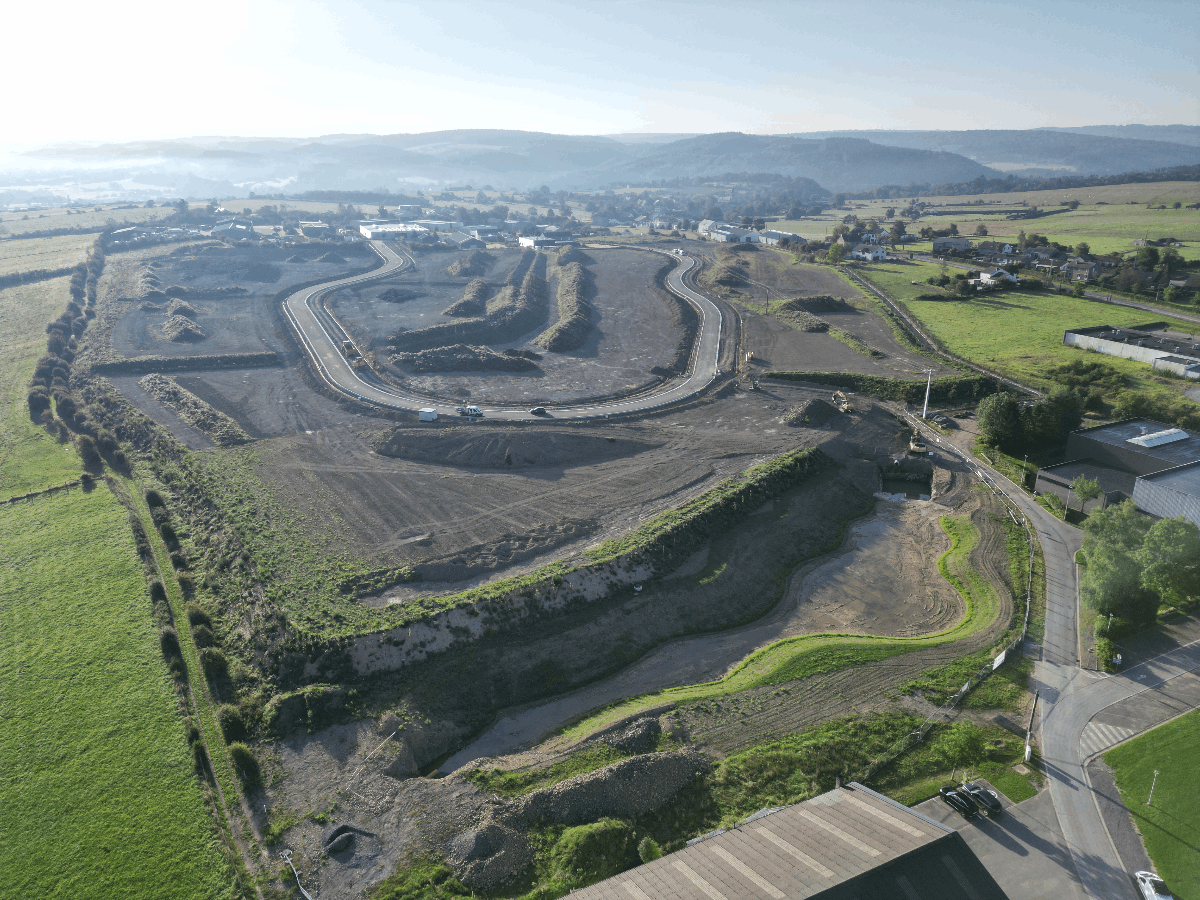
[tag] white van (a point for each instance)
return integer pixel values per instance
(429, 414)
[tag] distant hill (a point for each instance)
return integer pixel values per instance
(1174, 134)
(1041, 151)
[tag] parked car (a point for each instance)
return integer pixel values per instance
(538, 411)
(983, 798)
(1151, 886)
(958, 801)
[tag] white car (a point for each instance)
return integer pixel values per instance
(1152, 886)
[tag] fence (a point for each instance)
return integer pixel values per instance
(943, 713)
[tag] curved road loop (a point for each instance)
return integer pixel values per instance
(321, 336)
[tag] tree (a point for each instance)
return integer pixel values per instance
(898, 231)
(839, 200)
(1021, 239)
(1170, 559)
(890, 212)
(836, 253)
(1119, 526)
(1147, 257)
(981, 230)
(1085, 489)
(1171, 259)
(1048, 421)
(1078, 289)
(953, 228)
(999, 418)
(715, 213)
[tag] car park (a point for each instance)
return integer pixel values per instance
(986, 800)
(1151, 886)
(958, 801)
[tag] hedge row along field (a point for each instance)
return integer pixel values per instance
(956, 389)
(575, 286)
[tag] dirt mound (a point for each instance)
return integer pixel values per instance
(640, 737)
(464, 358)
(396, 295)
(499, 447)
(473, 302)
(810, 412)
(489, 857)
(632, 787)
(795, 312)
(182, 330)
(470, 266)
(573, 254)
(181, 308)
(262, 272)
(819, 304)
(331, 257)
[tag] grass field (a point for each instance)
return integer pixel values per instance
(97, 795)
(17, 223)
(814, 654)
(30, 459)
(1171, 827)
(1017, 333)
(44, 253)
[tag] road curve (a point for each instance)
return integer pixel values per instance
(321, 336)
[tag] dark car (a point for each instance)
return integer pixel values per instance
(983, 798)
(958, 801)
(538, 411)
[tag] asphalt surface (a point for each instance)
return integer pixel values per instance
(321, 336)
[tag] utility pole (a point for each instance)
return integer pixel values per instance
(928, 385)
(1152, 784)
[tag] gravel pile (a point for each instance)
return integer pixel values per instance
(811, 413)
(640, 737)
(489, 857)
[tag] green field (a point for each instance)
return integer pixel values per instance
(21, 223)
(44, 253)
(1018, 333)
(30, 459)
(1171, 827)
(97, 794)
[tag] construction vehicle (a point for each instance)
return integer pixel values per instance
(842, 402)
(916, 445)
(348, 348)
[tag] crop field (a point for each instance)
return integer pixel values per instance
(99, 795)
(1170, 826)
(30, 459)
(44, 253)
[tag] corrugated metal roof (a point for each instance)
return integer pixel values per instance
(836, 843)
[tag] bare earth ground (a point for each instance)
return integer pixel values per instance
(632, 330)
(243, 323)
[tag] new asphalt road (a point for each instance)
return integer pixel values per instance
(321, 336)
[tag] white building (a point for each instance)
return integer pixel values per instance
(392, 231)
(869, 252)
(996, 275)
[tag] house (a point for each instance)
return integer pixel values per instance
(314, 229)
(1081, 268)
(996, 276)
(851, 239)
(869, 252)
(774, 238)
(994, 248)
(236, 228)
(952, 243)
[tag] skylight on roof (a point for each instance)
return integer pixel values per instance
(1158, 438)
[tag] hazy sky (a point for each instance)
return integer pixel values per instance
(122, 70)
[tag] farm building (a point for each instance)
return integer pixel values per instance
(1151, 343)
(536, 241)
(850, 842)
(1155, 465)
(950, 243)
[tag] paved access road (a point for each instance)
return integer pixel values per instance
(321, 337)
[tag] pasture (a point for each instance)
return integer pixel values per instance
(1171, 825)
(30, 459)
(18, 223)
(99, 797)
(44, 253)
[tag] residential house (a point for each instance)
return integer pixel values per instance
(992, 249)
(869, 252)
(1081, 268)
(315, 229)
(950, 243)
(236, 228)
(996, 276)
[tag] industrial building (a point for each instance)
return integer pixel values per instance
(1155, 465)
(1152, 343)
(848, 843)
(393, 231)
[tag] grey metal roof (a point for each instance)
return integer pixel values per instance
(1118, 434)
(1185, 479)
(849, 842)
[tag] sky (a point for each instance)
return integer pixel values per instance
(123, 71)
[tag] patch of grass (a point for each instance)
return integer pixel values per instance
(713, 575)
(44, 253)
(1171, 826)
(513, 784)
(30, 459)
(98, 793)
(420, 879)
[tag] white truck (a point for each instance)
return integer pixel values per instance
(429, 414)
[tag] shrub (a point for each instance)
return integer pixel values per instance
(200, 760)
(168, 640)
(245, 764)
(158, 594)
(193, 733)
(179, 561)
(233, 725)
(649, 850)
(197, 616)
(168, 533)
(214, 662)
(87, 451)
(203, 636)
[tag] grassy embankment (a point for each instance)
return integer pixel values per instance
(1171, 826)
(814, 654)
